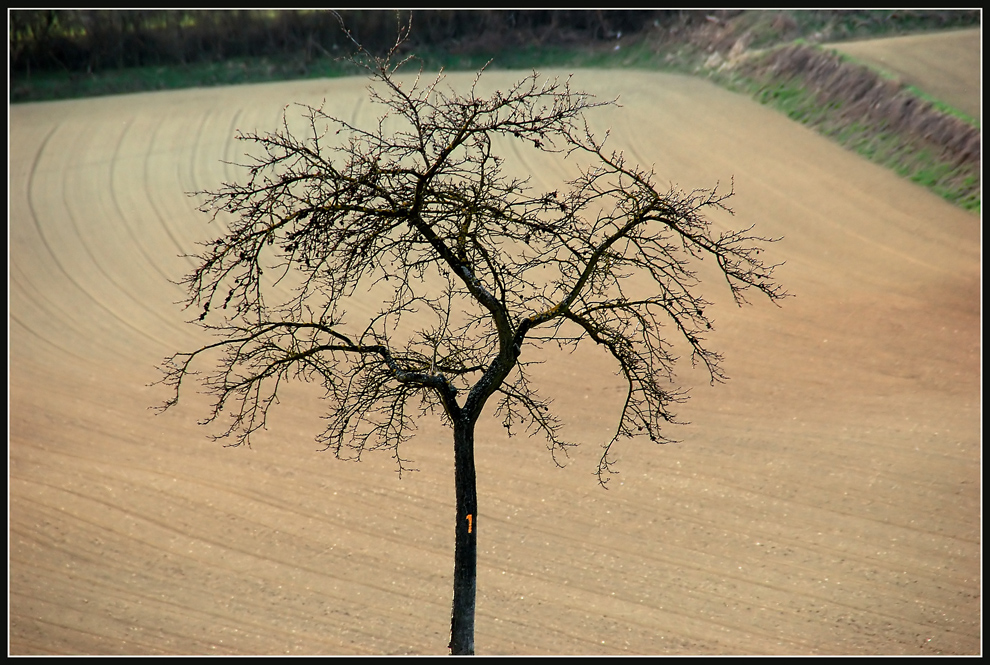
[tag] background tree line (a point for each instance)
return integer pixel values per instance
(91, 41)
(95, 40)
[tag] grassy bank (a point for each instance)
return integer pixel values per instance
(878, 117)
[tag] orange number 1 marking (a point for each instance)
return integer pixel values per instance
(470, 519)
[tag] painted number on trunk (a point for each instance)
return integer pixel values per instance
(470, 519)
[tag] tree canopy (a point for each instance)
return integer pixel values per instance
(402, 269)
(419, 209)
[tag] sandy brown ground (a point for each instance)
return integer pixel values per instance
(825, 500)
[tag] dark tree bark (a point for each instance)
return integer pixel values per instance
(465, 540)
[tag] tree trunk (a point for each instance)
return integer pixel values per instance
(465, 540)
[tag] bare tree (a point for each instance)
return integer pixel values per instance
(472, 269)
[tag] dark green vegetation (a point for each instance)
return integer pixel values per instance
(64, 53)
(56, 54)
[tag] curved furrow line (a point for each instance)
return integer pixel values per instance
(64, 292)
(207, 167)
(356, 117)
(160, 321)
(228, 161)
(26, 262)
(36, 311)
(230, 137)
(153, 254)
(118, 287)
(26, 351)
(198, 160)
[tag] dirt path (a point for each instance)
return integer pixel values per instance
(825, 500)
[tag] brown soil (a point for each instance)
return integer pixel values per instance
(825, 501)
